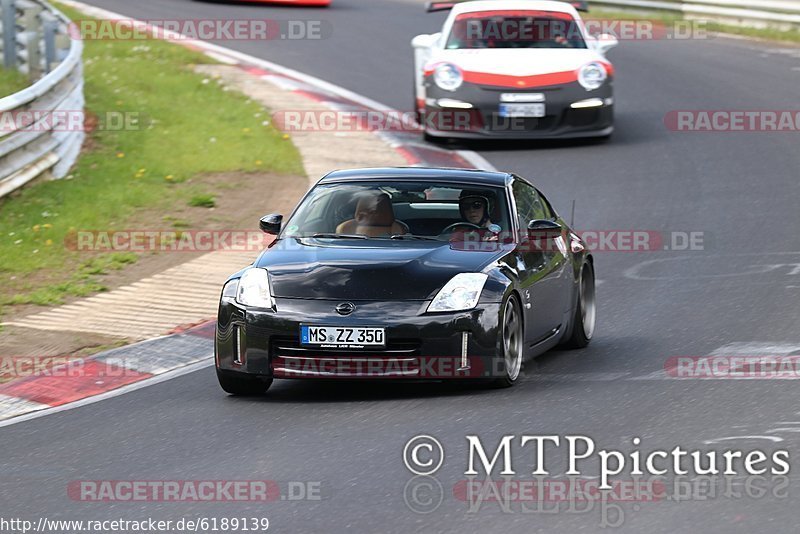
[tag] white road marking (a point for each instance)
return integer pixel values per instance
(756, 348)
(792, 269)
(578, 377)
(221, 58)
(660, 374)
(747, 348)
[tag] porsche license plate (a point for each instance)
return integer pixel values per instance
(522, 110)
(342, 336)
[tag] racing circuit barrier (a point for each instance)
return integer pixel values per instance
(35, 138)
(778, 14)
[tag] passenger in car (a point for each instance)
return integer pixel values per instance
(373, 217)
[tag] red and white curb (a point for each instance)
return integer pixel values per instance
(129, 368)
(106, 374)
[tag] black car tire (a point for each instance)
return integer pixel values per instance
(583, 318)
(243, 386)
(511, 340)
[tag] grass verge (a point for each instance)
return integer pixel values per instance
(180, 126)
(767, 34)
(12, 81)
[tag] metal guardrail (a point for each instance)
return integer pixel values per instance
(778, 14)
(37, 125)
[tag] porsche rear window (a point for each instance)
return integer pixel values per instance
(515, 29)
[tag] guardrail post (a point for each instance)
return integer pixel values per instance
(9, 15)
(32, 26)
(50, 29)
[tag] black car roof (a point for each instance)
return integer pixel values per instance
(421, 173)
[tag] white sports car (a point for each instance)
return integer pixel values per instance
(513, 69)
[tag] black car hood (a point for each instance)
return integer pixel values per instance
(368, 269)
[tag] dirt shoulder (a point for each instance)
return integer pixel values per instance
(240, 200)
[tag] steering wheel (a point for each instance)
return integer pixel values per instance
(453, 226)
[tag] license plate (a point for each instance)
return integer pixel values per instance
(519, 98)
(522, 110)
(342, 336)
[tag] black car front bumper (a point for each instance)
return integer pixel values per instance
(419, 345)
(483, 120)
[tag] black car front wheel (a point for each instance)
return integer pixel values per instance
(244, 386)
(512, 343)
(583, 319)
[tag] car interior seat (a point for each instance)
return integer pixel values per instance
(374, 217)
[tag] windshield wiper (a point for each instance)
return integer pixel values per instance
(412, 236)
(339, 236)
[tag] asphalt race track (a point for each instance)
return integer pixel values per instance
(740, 295)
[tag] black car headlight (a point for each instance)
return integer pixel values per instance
(229, 290)
(461, 293)
(252, 289)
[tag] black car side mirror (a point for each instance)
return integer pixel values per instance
(543, 229)
(271, 224)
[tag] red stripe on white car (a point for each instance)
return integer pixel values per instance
(526, 82)
(537, 80)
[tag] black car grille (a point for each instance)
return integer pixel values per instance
(582, 117)
(290, 359)
(495, 123)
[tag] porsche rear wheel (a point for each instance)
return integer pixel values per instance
(243, 386)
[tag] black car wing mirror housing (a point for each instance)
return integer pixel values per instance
(543, 229)
(271, 224)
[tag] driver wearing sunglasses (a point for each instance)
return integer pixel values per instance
(475, 208)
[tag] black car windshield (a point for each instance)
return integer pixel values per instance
(515, 29)
(398, 210)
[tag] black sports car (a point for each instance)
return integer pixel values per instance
(407, 273)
